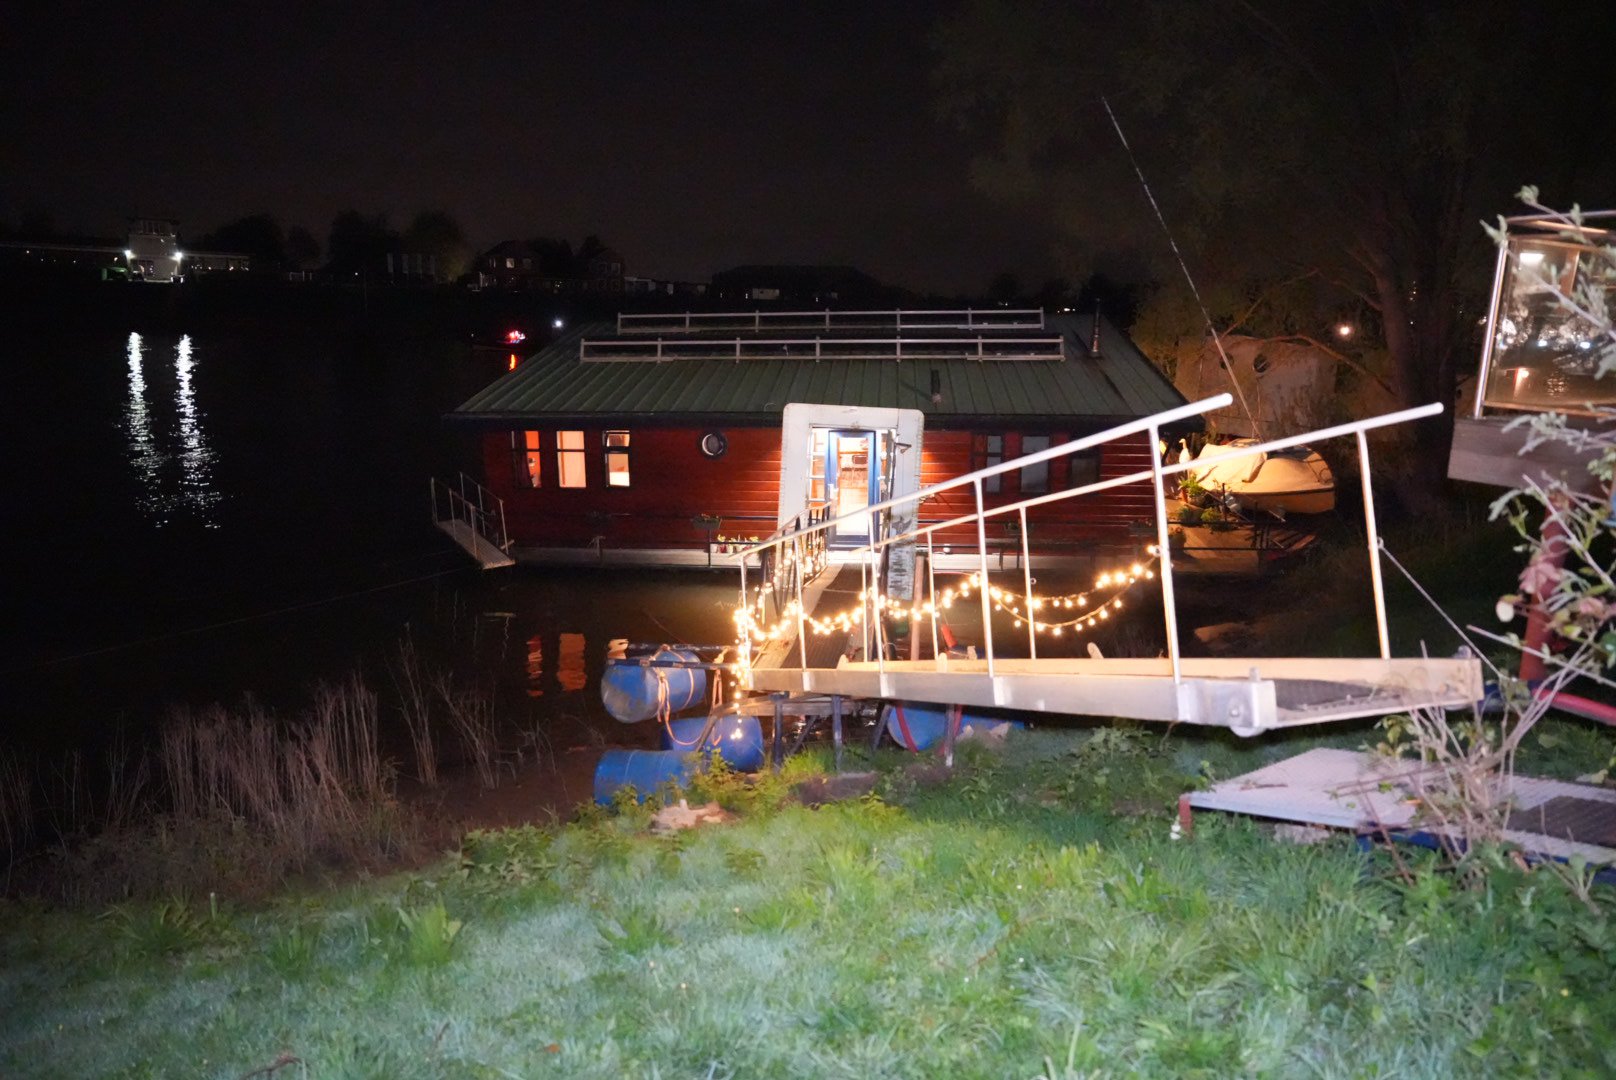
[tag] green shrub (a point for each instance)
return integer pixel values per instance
(292, 954)
(426, 936)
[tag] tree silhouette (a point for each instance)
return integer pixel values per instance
(1355, 147)
(358, 243)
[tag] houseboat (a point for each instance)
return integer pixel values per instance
(673, 439)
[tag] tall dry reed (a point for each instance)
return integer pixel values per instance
(415, 702)
(470, 710)
(16, 807)
(305, 785)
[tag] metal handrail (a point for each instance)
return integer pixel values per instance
(1157, 473)
(482, 511)
(912, 318)
(980, 347)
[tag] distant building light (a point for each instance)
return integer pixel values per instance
(128, 254)
(178, 255)
(1344, 330)
(515, 337)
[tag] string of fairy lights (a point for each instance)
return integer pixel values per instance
(1054, 614)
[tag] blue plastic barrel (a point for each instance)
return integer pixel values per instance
(925, 721)
(647, 770)
(738, 739)
(631, 692)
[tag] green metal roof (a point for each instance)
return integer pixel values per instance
(1076, 391)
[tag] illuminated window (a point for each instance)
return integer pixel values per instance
(617, 459)
(570, 459)
(525, 458)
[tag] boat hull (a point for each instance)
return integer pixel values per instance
(1293, 482)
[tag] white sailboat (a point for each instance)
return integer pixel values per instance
(1294, 481)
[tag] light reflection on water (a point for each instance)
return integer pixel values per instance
(196, 458)
(144, 456)
(152, 463)
(571, 672)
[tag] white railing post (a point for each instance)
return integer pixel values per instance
(931, 591)
(864, 601)
(875, 579)
(982, 559)
(1026, 577)
(741, 628)
(1374, 547)
(1164, 552)
(802, 613)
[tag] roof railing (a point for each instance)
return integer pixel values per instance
(659, 350)
(687, 322)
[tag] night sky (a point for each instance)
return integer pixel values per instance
(692, 137)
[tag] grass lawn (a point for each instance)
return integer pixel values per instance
(1031, 916)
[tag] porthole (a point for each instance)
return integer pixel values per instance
(713, 444)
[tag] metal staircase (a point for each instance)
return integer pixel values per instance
(473, 517)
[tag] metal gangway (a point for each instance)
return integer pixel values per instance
(473, 517)
(1247, 695)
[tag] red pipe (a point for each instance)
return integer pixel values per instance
(1577, 705)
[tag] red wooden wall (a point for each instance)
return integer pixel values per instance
(1103, 517)
(672, 482)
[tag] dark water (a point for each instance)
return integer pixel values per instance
(197, 512)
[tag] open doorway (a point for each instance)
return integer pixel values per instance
(849, 470)
(838, 459)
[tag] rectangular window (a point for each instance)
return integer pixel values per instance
(570, 456)
(1085, 468)
(994, 456)
(1035, 477)
(525, 458)
(616, 459)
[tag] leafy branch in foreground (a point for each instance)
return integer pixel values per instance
(1569, 580)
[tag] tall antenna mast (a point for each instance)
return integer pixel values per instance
(1217, 340)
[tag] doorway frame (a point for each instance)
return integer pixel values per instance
(796, 439)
